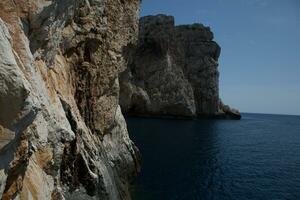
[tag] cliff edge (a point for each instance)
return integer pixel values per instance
(62, 133)
(173, 71)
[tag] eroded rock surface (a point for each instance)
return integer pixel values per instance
(62, 133)
(173, 71)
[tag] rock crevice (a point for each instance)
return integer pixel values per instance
(62, 133)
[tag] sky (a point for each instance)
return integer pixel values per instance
(260, 40)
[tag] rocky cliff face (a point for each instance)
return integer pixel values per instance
(62, 133)
(173, 71)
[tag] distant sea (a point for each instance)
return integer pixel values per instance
(257, 157)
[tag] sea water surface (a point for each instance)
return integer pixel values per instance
(257, 157)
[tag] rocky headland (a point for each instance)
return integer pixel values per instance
(173, 72)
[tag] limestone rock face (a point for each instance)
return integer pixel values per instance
(173, 71)
(62, 133)
(154, 82)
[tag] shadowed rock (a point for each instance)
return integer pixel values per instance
(173, 71)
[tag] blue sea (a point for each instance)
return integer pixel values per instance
(257, 157)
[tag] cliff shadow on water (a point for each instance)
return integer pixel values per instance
(180, 158)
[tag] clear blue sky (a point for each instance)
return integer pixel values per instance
(260, 40)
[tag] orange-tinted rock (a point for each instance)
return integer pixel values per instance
(62, 131)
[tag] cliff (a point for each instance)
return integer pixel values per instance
(62, 133)
(173, 71)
